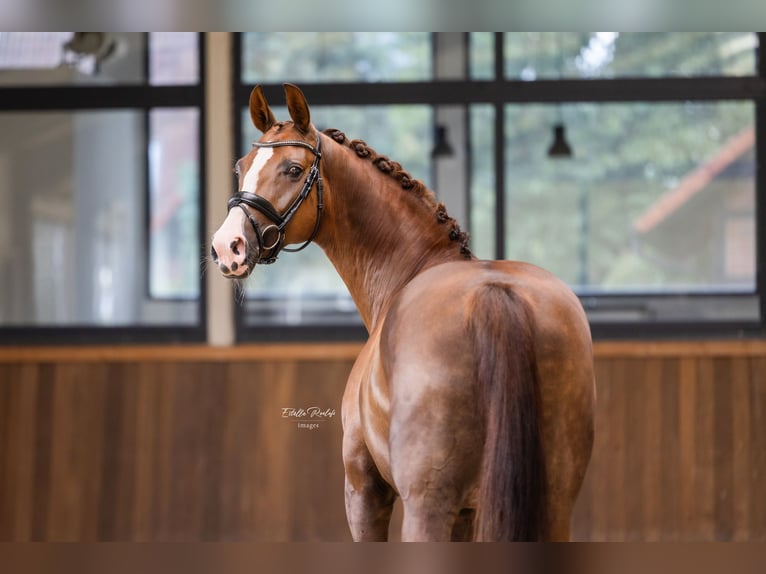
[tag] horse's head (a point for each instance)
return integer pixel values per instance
(275, 205)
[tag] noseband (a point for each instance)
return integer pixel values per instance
(280, 221)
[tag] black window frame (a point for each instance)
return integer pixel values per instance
(142, 97)
(501, 91)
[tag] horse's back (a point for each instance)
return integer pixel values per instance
(438, 302)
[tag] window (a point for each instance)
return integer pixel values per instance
(302, 295)
(533, 56)
(335, 57)
(100, 164)
(654, 220)
(647, 215)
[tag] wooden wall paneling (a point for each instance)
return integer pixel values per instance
(637, 417)
(194, 439)
(648, 393)
(271, 490)
(740, 448)
(614, 414)
(187, 449)
(116, 497)
(687, 402)
(702, 526)
(239, 465)
(75, 453)
(17, 443)
(6, 455)
(758, 448)
(290, 480)
(318, 468)
(252, 452)
(668, 487)
(148, 389)
(164, 457)
(724, 374)
(43, 449)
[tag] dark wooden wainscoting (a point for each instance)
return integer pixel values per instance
(189, 443)
(680, 450)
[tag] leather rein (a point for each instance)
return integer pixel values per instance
(280, 221)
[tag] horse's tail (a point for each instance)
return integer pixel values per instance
(511, 503)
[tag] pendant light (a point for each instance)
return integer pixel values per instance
(442, 147)
(560, 147)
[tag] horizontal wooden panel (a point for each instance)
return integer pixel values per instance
(344, 351)
(165, 449)
(180, 353)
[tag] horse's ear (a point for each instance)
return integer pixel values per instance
(260, 112)
(298, 108)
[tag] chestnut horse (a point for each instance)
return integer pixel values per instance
(473, 398)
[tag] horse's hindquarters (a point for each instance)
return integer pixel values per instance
(432, 363)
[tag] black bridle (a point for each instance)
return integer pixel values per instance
(280, 221)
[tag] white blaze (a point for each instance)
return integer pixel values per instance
(232, 229)
(250, 183)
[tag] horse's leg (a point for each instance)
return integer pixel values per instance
(369, 504)
(462, 530)
(559, 524)
(431, 466)
(369, 499)
(427, 519)
(435, 441)
(564, 481)
(570, 441)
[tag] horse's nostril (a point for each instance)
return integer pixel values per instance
(234, 246)
(213, 254)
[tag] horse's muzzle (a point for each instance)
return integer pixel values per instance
(230, 248)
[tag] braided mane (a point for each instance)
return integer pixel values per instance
(408, 183)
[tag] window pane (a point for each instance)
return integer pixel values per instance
(336, 57)
(72, 215)
(49, 58)
(659, 198)
(45, 58)
(482, 121)
(550, 55)
(304, 288)
(482, 55)
(173, 58)
(174, 252)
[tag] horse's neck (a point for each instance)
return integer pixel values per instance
(378, 235)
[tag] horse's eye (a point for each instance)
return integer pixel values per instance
(294, 170)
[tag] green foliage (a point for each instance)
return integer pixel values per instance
(576, 217)
(335, 56)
